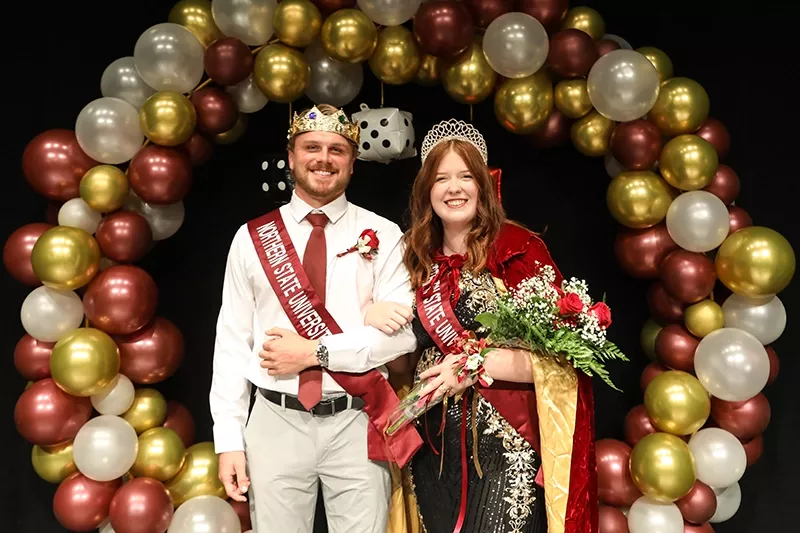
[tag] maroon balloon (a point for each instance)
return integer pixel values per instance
(662, 305)
(180, 420)
(554, 132)
(124, 236)
(636, 144)
(753, 449)
(153, 353)
(611, 520)
(725, 184)
(216, 110)
(198, 148)
(46, 415)
(243, 511)
(614, 483)
(54, 163)
(688, 276)
(443, 27)
(121, 299)
(572, 53)
(17, 252)
(739, 218)
(649, 374)
(160, 175)
(746, 419)
(640, 251)
(485, 11)
(32, 358)
(675, 347)
(549, 12)
(228, 61)
(605, 46)
(699, 505)
(717, 134)
(327, 7)
(141, 505)
(637, 425)
(81, 503)
(774, 365)
(693, 528)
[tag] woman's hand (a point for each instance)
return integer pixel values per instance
(388, 316)
(445, 380)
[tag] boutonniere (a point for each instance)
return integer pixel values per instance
(367, 245)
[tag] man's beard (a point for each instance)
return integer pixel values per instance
(335, 186)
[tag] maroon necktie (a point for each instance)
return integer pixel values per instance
(315, 261)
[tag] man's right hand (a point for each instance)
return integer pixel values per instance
(233, 474)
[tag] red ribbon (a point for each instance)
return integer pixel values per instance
(449, 271)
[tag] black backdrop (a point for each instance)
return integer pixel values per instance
(740, 53)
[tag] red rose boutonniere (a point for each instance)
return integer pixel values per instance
(367, 245)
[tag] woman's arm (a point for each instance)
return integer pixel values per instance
(505, 364)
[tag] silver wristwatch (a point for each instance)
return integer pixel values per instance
(322, 354)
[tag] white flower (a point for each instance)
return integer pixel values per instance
(474, 362)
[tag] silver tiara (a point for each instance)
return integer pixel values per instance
(454, 129)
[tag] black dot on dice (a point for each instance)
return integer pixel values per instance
(374, 134)
(384, 122)
(406, 121)
(364, 124)
(365, 145)
(408, 142)
(386, 143)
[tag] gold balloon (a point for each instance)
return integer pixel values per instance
(428, 73)
(522, 105)
(104, 188)
(585, 19)
(282, 73)
(688, 162)
(168, 118)
(53, 464)
(662, 467)
(677, 403)
(149, 409)
(468, 78)
(195, 16)
(682, 107)
(660, 60)
(638, 198)
(572, 98)
(296, 22)
(161, 454)
(84, 362)
(396, 59)
(703, 317)
(755, 261)
(647, 337)
(233, 134)
(591, 134)
(349, 35)
(199, 475)
(65, 258)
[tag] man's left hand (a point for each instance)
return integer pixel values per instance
(287, 354)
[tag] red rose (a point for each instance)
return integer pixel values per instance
(603, 314)
(371, 238)
(569, 304)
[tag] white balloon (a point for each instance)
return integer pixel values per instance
(619, 40)
(515, 45)
(731, 364)
(77, 214)
(116, 398)
(48, 314)
(202, 514)
(698, 221)
(623, 85)
(121, 80)
(105, 527)
(728, 502)
(613, 167)
(168, 57)
(247, 95)
(164, 220)
(650, 516)
(108, 130)
(249, 21)
(389, 12)
(105, 448)
(719, 457)
(762, 317)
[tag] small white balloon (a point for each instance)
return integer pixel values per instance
(249, 21)
(105, 448)
(247, 96)
(515, 45)
(202, 514)
(108, 130)
(650, 516)
(698, 221)
(762, 317)
(731, 364)
(116, 398)
(623, 85)
(613, 167)
(619, 40)
(164, 220)
(719, 457)
(121, 80)
(389, 12)
(49, 314)
(169, 57)
(728, 501)
(105, 527)
(76, 213)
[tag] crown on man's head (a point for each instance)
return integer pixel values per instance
(316, 120)
(454, 129)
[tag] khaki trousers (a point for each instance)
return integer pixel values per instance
(289, 453)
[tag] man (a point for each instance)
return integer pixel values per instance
(295, 291)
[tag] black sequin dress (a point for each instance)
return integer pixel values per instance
(505, 499)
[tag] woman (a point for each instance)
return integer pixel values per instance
(480, 470)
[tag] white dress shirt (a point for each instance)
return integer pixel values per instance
(250, 308)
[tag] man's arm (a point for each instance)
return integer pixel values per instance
(229, 398)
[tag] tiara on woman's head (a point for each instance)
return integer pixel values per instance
(454, 129)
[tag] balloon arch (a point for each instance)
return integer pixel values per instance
(96, 426)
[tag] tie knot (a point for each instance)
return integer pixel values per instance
(318, 220)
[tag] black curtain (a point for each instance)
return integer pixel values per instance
(741, 53)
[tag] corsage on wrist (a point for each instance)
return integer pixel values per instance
(473, 355)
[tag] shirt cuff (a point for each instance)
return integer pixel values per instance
(228, 437)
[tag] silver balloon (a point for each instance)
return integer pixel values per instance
(650, 516)
(116, 398)
(623, 85)
(728, 501)
(515, 45)
(613, 167)
(105, 448)
(247, 95)
(121, 80)
(619, 40)
(202, 514)
(731, 364)
(48, 314)
(698, 221)
(164, 220)
(719, 457)
(332, 81)
(762, 317)
(76, 213)
(108, 130)
(389, 12)
(168, 57)
(249, 21)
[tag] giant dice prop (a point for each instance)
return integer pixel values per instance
(386, 134)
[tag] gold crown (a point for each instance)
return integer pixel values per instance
(316, 120)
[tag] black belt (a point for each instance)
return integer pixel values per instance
(325, 407)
